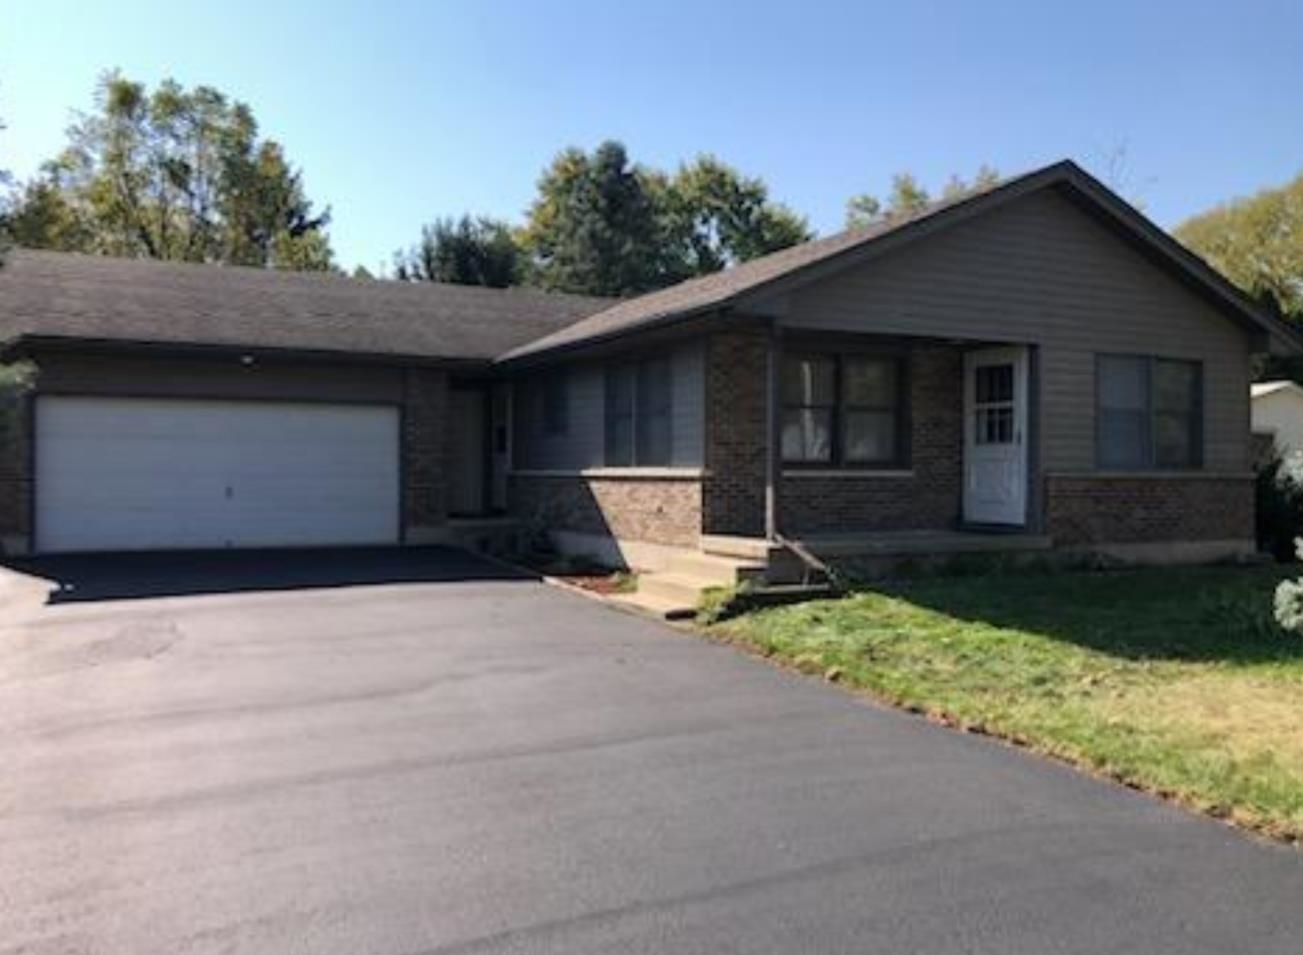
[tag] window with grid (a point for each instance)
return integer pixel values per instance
(841, 410)
(1149, 413)
(993, 404)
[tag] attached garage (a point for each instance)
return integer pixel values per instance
(148, 473)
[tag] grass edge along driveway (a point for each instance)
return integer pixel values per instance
(1177, 682)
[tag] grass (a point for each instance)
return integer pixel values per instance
(1175, 681)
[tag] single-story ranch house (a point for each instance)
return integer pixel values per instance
(1038, 366)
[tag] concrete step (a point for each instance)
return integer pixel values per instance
(684, 588)
(664, 607)
(719, 571)
(743, 548)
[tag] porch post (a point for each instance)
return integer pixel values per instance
(772, 436)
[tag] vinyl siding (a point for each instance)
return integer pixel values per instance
(1042, 271)
(583, 443)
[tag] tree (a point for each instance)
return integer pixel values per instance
(594, 227)
(173, 174)
(718, 217)
(908, 197)
(1257, 243)
(604, 226)
(4, 215)
(465, 251)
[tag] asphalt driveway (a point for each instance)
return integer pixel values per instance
(416, 753)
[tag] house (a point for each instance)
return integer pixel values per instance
(1278, 414)
(1035, 367)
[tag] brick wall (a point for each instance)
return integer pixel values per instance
(15, 473)
(930, 498)
(424, 465)
(658, 510)
(733, 491)
(1094, 509)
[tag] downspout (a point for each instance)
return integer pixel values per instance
(772, 437)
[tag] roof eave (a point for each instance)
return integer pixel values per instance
(28, 346)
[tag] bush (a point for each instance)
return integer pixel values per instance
(1289, 605)
(1279, 492)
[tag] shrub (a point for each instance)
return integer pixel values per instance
(1279, 493)
(1289, 601)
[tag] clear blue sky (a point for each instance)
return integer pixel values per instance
(398, 113)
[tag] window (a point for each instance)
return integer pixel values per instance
(556, 404)
(1150, 413)
(993, 404)
(841, 410)
(809, 403)
(639, 414)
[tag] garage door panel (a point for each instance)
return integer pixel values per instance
(126, 473)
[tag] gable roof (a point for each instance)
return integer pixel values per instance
(801, 264)
(53, 296)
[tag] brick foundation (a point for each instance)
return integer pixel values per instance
(1096, 509)
(658, 510)
(928, 498)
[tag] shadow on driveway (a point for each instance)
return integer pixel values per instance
(120, 576)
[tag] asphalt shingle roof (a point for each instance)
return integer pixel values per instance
(53, 294)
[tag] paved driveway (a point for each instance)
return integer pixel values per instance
(458, 763)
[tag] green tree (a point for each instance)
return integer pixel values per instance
(4, 212)
(173, 174)
(908, 197)
(717, 217)
(595, 227)
(604, 226)
(465, 251)
(1257, 243)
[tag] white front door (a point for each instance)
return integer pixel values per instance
(995, 436)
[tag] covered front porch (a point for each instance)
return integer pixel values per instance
(900, 443)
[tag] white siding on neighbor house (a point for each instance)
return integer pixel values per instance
(583, 443)
(1042, 271)
(1279, 412)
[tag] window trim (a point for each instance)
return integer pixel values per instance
(837, 460)
(634, 368)
(1197, 427)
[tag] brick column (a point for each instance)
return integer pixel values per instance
(425, 402)
(733, 491)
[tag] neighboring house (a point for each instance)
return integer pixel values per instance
(1039, 360)
(1278, 412)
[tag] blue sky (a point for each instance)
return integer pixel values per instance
(398, 113)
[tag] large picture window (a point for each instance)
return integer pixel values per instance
(1149, 412)
(639, 414)
(842, 410)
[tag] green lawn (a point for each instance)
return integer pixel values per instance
(1177, 681)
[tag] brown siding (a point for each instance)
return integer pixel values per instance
(655, 510)
(196, 378)
(1042, 271)
(929, 497)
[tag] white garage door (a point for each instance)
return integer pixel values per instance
(135, 474)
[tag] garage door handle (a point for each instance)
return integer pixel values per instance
(230, 492)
